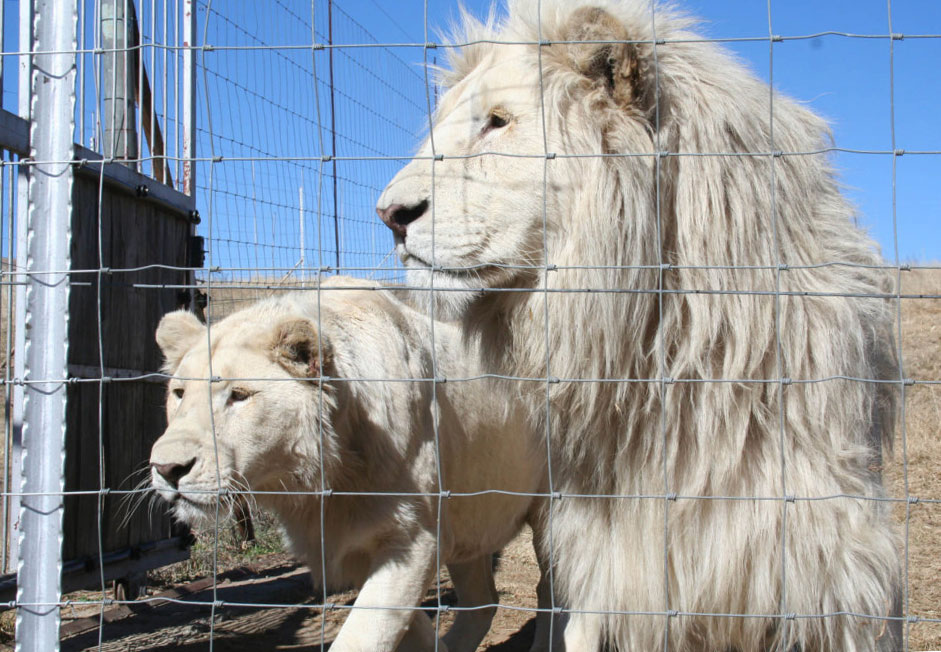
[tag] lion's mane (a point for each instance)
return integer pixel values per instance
(722, 376)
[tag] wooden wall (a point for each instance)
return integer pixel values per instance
(117, 423)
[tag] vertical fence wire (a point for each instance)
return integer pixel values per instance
(903, 428)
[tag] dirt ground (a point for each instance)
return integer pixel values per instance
(272, 578)
(161, 625)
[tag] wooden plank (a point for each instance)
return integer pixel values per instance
(134, 232)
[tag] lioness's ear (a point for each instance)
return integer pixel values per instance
(176, 334)
(622, 67)
(297, 348)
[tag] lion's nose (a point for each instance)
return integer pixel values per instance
(173, 471)
(398, 216)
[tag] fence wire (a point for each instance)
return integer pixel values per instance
(302, 117)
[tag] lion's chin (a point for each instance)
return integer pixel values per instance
(451, 295)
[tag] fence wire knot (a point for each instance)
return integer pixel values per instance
(913, 500)
(673, 613)
(671, 497)
(790, 498)
(445, 494)
(899, 152)
(550, 155)
(786, 381)
(326, 493)
(556, 495)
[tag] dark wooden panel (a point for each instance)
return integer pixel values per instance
(108, 308)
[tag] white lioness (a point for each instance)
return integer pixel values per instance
(608, 201)
(284, 420)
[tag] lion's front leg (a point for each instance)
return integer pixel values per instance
(386, 605)
(473, 582)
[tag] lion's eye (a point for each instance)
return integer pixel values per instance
(496, 120)
(239, 394)
(178, 392)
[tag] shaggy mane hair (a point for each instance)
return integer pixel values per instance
(760, 427)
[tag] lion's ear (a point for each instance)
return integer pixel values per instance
(298, 348)
(176, 334)
(622, 67)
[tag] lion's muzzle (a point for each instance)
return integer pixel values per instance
(398, 216)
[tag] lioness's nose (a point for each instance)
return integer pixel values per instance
(173, 471)
(398, 216)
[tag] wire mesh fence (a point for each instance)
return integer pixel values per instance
(268, 132)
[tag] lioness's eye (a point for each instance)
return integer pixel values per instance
(239, 394)
(178, 392)
(496, 120)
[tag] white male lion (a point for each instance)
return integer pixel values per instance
(293, 411)
(614, 217)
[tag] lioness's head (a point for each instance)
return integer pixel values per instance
(490, 192)
(242, 407)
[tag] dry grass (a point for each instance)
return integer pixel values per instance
(919, 442)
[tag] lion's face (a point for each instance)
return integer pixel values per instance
(493, 190)
(480, 206)
(248, 430)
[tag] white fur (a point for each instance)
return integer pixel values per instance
(355, 436)
(756, 559)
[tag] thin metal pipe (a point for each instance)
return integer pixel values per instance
(25, 68)
(333, 135)
(5, 558)
(189, 97)
(50, 210)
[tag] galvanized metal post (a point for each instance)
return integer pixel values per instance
(189, 97)
(50, 210)
(118, 74)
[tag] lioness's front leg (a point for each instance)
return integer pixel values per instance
(386, 605)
